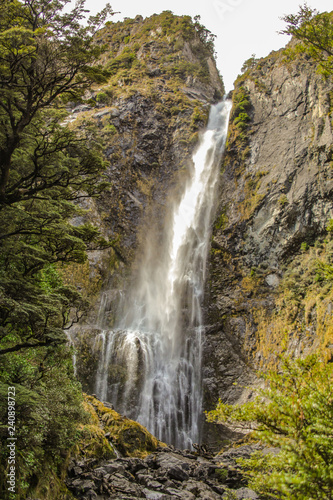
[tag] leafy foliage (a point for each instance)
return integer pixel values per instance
(315, 32)
(302, 313)
(206, 36)
(239, 118)
(46, 58)
(249, 64)
(48, 409)
(135, 44)
(295, 415)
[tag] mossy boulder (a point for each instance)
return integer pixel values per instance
(93, 442)
(130, 438)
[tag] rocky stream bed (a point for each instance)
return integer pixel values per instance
(165, 474)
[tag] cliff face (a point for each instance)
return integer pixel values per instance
(270, 273)
(268, 293)
(161, 81)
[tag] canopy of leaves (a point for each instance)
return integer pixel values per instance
(48, 410)
(46, 58)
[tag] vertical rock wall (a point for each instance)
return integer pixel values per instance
(275, 203)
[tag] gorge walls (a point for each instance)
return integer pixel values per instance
(268, 293)
(268, 289)
(161, 82)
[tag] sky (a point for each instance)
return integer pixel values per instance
(242, 27)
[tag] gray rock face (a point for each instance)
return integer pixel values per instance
(149, 130)
(276, 192)
(164, 475)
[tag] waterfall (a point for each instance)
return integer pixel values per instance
(150, 365)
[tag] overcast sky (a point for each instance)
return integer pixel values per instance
(243, 27)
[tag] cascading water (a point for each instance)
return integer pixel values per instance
(150, 365)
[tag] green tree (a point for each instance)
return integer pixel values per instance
(48, 411)
(294, 415)
(47, 58)
(206, 36)
(249, 63)
(315, 32)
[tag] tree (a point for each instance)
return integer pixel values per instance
(206, 36)
(315, 32)
(47, 58)
(249, 63)
(294, 415)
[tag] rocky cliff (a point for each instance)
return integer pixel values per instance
(159, 80)
(269, 285)
(269, 290)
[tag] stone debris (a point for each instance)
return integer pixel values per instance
(164, 475)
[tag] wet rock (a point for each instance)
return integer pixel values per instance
(201, 490)
(114, 467)
(154, 485)
(82, 485)
(166, 475)
(91, 494)
(276, 192)
(183, 495)
(108, 405)
(133, 464)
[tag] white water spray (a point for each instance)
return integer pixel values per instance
(150, 365)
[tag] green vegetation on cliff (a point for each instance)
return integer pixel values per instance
(301, 321)
(163, 45)
(314, 31)
(276, 277)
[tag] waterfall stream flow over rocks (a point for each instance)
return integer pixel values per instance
(153, 355)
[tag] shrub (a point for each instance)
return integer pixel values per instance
(102, 97)
(329, 227)
(110, 129)
(295, 415)
(283, 200)
(304, 246)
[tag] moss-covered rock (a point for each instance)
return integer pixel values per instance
(92, 442)
(130, 438)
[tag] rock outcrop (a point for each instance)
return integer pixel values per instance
(117, 458)
(161, 81)
(266, 292)
(275, 203)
